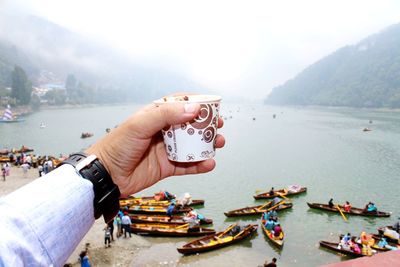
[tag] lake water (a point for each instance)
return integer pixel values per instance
(323, 149)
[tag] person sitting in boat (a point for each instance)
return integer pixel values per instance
(235, 230)
(274, 214)
(271, 192)
(382, 243)
(269, 225)
(191, 215)
(266, 215)
(346, 238)
(163, 195)
(168, 195)
(276, 200)
(330, 203)
(186, 200)
(201, 217)
(344, 243)
(277, 230)
(354, 247)
(294, 188)
(171, 209)
(366, 239)
(191, 218)
(347, 206)
(371, 208)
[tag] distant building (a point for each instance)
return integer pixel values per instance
(39, 91)
(53, 86)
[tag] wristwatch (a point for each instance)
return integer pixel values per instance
(106, 193)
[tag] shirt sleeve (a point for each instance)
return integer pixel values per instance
(42, 222)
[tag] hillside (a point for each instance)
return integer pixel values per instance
(363, 75)
(10, 56)
(48, 53)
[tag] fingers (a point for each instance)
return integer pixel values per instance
(150, 121)
(195, 167)
(219, 141)
(220, 122)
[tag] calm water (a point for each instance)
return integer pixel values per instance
(323, 149)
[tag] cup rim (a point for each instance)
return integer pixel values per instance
(198, 98)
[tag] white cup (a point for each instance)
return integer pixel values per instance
(195, 140)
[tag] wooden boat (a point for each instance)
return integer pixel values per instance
(86, 135)
(218, 240)
(277, 193)
(23, 149)
(278, 241)
(334, 246)
(4, 151)
(255, 210)
(174, 230)
(4, 159)
(353, 211)
(153, 202)
(143, 209)
(176, 219)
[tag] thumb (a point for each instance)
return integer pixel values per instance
(150, 121)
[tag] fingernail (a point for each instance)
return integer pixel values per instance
(190, 107)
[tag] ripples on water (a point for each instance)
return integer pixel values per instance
(323, 149)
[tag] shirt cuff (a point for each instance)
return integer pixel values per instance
(56, 211)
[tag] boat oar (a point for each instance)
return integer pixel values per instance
(269, 202)
(239, 233)
(282, 195)
(276, 205)
(182, 226)
(344, 217)
(227, 230)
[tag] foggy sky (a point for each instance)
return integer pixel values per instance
(236, 47)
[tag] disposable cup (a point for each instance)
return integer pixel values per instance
(195, 140)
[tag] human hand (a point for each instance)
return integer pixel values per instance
(134, 153)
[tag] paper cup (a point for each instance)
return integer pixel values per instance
(193, 141)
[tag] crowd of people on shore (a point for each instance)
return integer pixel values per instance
(44, 164)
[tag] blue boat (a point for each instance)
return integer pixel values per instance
(8, 116)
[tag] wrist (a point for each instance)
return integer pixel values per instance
(106, 161)
(106, 193)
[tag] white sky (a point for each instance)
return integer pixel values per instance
(237, 47)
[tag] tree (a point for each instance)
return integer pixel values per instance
(56, 97)
(70, 84)
(21, 87)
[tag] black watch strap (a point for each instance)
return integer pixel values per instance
(106, 193)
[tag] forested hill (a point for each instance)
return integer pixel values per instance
(48, 53)
(10, 56)
(363, 75)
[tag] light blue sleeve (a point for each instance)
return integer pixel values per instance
(42, 222)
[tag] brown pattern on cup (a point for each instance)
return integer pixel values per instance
(204, 118)
(209, 134)
(190, 131)
(190, 157)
